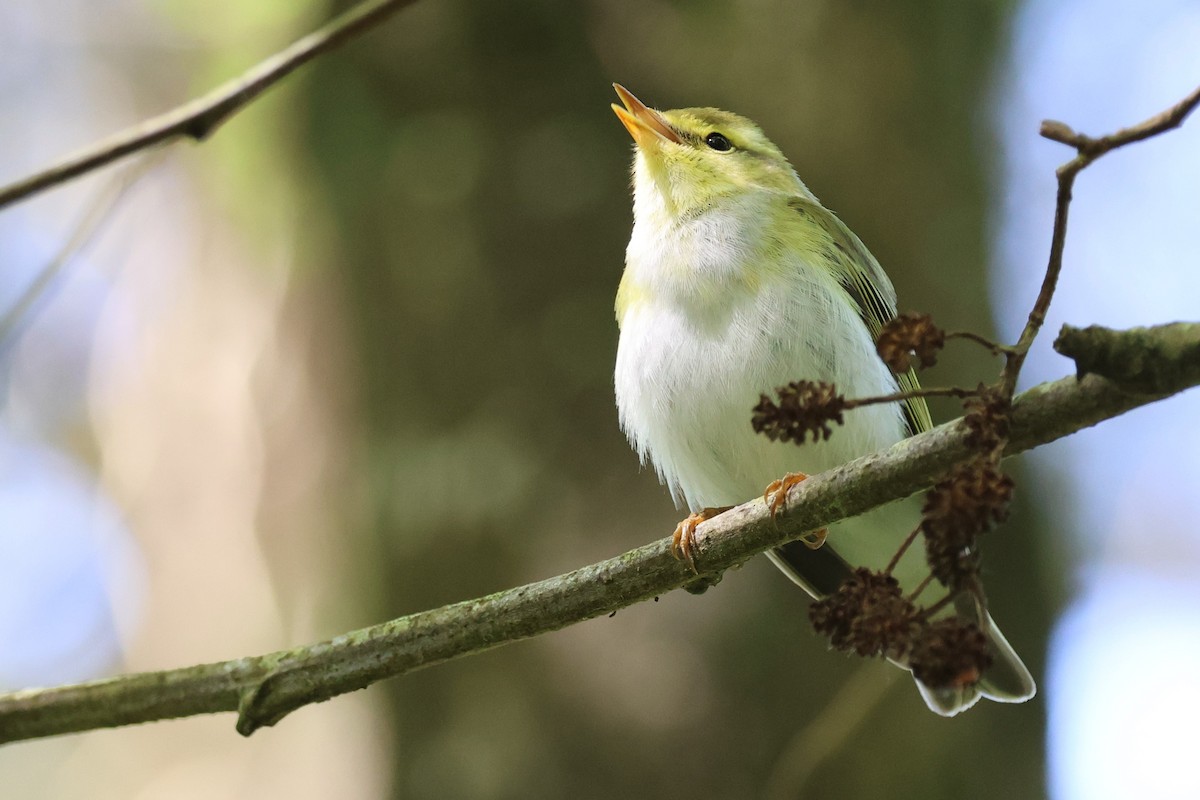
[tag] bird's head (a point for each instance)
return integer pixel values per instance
(690, 158)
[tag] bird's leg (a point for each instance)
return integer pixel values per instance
(775, 497)
(683, 542)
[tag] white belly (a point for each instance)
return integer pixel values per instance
(687, 379)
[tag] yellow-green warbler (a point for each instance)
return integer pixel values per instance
(738, 280)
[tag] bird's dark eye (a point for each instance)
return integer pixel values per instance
(718, 142)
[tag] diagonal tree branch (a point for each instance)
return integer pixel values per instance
(200, 117)
(263, 689)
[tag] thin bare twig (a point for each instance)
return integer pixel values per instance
(1093, 148)
(921, 587)
(930, 611)
(264, 689)
(199, 118)
(1087, 149)
(933, 391)
(907, 543)
(995, 347)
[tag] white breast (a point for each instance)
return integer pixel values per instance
(703, 335)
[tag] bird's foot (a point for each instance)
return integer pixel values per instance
(683, 542)
(775, 497)
(776, 493)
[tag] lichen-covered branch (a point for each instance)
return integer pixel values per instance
(1139, 359)
(263, 689)
(200, 117)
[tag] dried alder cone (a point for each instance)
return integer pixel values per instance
(908, 336)
(867, 615)
(987, 418)
(949, 653)
(970, 500)
(870, 616)
(804, 407)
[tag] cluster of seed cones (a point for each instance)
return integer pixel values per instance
(870, 615)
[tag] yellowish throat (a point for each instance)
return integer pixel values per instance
(738, 280)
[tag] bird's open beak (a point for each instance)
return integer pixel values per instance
(644, 124)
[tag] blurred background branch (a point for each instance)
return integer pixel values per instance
(200, 117)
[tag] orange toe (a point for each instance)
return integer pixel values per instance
(683, 541)
(776, 494)
(813, 540)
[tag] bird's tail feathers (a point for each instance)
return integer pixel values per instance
(1007, 680)
(819, 572)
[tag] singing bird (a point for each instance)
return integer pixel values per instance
(738, 280)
